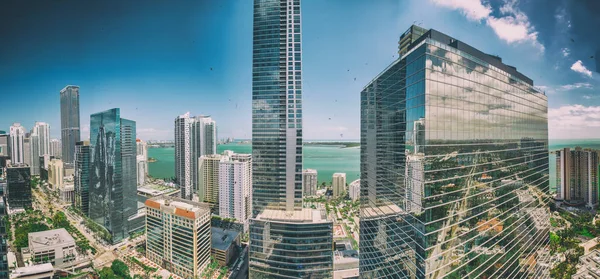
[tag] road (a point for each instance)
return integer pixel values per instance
(242, 273)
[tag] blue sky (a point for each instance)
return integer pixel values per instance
(154, 60)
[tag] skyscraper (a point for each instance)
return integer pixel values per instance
(56, 148)
(280, 226)
(142, 161)
(69, 123)
(34, 153)
(4, 142)
(18, 187)
(309, 182)
(235, 187)
(208, 180)
(577, 176)
(449, 136)
(27, 150)
(82, 176)
(42, 130)
(338, 184)
(113, 186)
(16, 141)
(195, 136)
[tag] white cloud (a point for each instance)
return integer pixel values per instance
(472, 9)
(587, 97)
(566, 87)
(578, 67)
(512, 27)
(574, 121)
(565, 51)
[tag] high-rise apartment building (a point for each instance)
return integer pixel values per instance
(69, 123)
(195, 136)
(27, 143)
(354, 190)
(280, 228)
(42, 130)
(4, 143)
(34, 153)
(338, 184)
(113, 180)
(235, 187)
(142, 162)
(178, 235)
(56, 148)
(449, 137)
(309, 182)
(16, 142)
(577, 176)
(55, 174)
(82, 176)
(18, 186)
(208, 180)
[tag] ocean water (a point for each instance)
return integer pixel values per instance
(326, 159)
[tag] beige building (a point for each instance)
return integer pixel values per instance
(55, 173)
(53, 246)
(235, 187)
(208, 180)
(339, 184)
(309, 182)
(178, 235)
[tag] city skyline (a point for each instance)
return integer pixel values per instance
(202, 77)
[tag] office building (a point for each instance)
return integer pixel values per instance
(4, 143)
(309, 182)
(142, 162)
(34, 154)
(27, 150)
(577, 176)
(235, 187)
(55, 174)
(18, 187)
(441, 128)
(225, 245)
(56, 148)
(354, 190)
(16, 142)
(69, 123)
(81, 177)
(42, 130)
(338, 185)
(44, 160)
(279, 225)
(113, 181)
(195, 136)
(178, 235)
(53, 246)
(208, 180)
(4, 268)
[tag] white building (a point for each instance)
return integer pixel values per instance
(4, 142)
(55, 174)
(142, 161)
(55, 148)
(194, 137)
(53, 246)
(235, 187)
(309, 182)
(34, 154)
(42, 130)
(40, 271)
(414, 181)
(354, 190)
(16, 141)
(173, 227)
(339, 184)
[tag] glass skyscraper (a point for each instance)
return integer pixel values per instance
(113, 180)
(454, 166)
(69, 122)
(82, 176)
(286, 240)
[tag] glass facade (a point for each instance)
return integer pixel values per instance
(18, 187)
(113, 181)
(69, 122)
(291, 250)
(82, 176)
(454, 167)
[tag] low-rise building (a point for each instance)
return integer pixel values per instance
(225, 245)
(178, 235)
(152, 190)
(53, 246)
(40, 271)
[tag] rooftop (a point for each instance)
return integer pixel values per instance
(306, 215)
(177, 206)
(310, 171)
(222, 238)
(32, 270)
(49, 238)
(156, 190)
